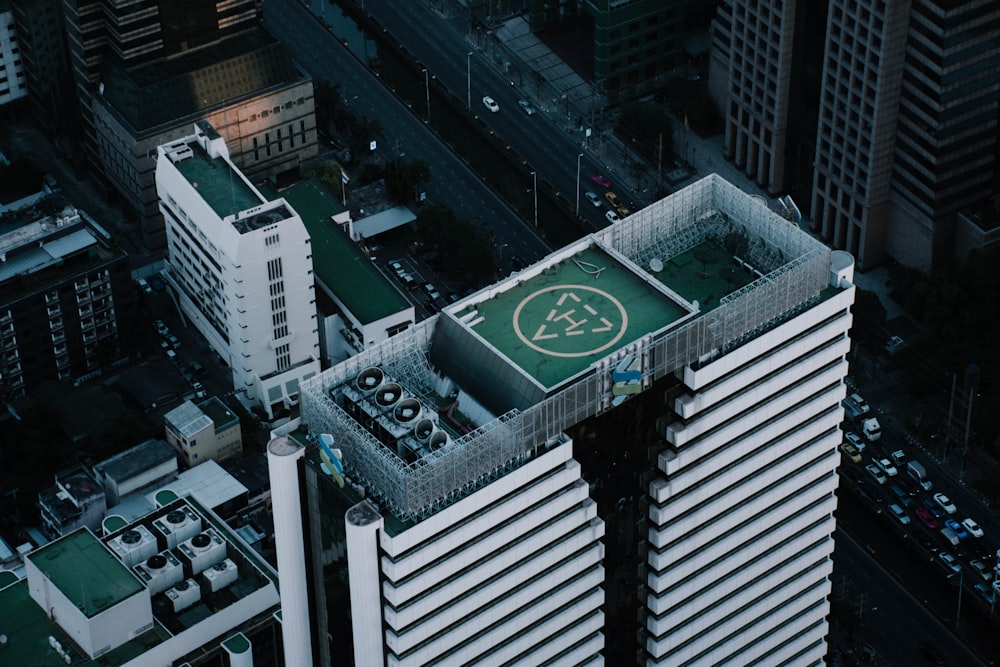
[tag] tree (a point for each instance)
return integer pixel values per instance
(647, 128)
(462, 245)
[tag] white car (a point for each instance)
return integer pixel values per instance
(612, 216)
(491, 104)
(950, 561)
(876, 474)
(856, 440)
(887, 467)
(974, 528)
(945, 503)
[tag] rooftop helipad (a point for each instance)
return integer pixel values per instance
(558, 322)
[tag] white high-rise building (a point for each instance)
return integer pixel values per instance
(241, 268)
(646, 420)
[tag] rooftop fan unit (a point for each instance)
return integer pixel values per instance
(134, 545)
(203, 550)
(184, 594)
(422, 431)
(407, 411)
(369, 379)
(438, 440)
(388, 394)
(178, 525)
(160, 572)
(220, 575)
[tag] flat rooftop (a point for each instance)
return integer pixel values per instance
(217, 182)
(86, 572)
(581, 309)
(337, 260)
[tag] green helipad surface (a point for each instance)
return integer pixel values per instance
(705, 273)
(86, 572)
(218, 185)
(580, 310)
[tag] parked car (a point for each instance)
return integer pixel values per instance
(984, 590)
(850, 452)
(526, 105)
(980, 568)
(612, 216)
(974, 529)
(886, 466)
(431, 291)
(950, 562)
(926, 517)
(601, 180)
(856, 440)
(175, 342)
(933, 508)
(612, 199)
(956, 528)
(876, 474)
(594, 199)
(491, 104)
(899, 458)
(396, 267)
(899, 514)
(945, 503)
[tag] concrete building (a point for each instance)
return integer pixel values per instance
(460, 477)
(67, 301)
(176, 587)
(13, 85)
(241, 268)
(40, 34)
(75, 501)
(208, 430)
(906, 108)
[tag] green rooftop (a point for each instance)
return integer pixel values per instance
(218, 184)
(704, 273)
(337, 261)
(86, 572)
(582, 309)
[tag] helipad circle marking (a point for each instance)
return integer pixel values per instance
(612, 338)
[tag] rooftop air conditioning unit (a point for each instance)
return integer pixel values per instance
(369, 379)
(407, 411)
(178, 525)
(203, 550)
(160, 572)
(388, 395)
(134, 545)
(184, 594)
(438, 440)
(423, 430)
(220, 575)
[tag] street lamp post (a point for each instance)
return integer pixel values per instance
(427, 87)
(468, 75)
(578, 158)
(958, 610)
(534, 188)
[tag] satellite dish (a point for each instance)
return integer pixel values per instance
(656, 265)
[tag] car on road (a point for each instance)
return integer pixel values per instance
(945, 503)
(933, 508)
(623, 212)
(956, 528)
(491, 104)
(984, 572)
(613, 199)
(396, 267)
(592, 198)
(886, 466)
(855, 440)
(850, 452)
(144, 286)
(431, 291)
(175, 342)
(926, 517)
(984, 590)
(612, 216)
(199, 389)
(950, 562)
(527, 106)
(601, 180)
(974, 528)
(899, 458)
(899, 514)
(876, 474)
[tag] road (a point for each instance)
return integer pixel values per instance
(325, 58)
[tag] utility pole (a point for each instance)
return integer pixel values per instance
(534, 180)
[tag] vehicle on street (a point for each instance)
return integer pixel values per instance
(950, 537)
(876, 474)
(859, 403)
(885, 465)
(984, 590)
(612, 216)
(871, 429)
(956, 528)
(612, 199)
(855, 440)
(175, 342)
(926, 517)
(623, 212)
(601, 180)
(431, 291)
(950, 562)
(144, 286)
(594, 199)
(933, 508)
(526, 105)
(917, 471)
(199, 389)
(850, 452)
(171, 355)
(945, 503)
(396, 267)
(491, 104)
(970, 525)
(898, 458)
(899, 514)
(980, 568)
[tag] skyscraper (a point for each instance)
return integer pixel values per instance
(908, 102)
(636, 436)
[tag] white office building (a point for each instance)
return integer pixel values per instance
(241, 268)
(647, 419)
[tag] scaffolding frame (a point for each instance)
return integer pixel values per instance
(794, 270)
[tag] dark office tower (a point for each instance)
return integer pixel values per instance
(38, 26)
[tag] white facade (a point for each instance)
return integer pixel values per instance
(241, 267)
(13, 85)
